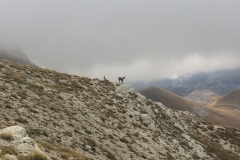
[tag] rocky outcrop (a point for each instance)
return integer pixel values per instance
(16, 138)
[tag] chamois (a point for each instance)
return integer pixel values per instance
(106, 80)
(120, 79)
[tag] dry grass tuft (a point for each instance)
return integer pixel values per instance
(65, 153)
(9, 157)
(8, 150)
(38, 155)
(6, 136)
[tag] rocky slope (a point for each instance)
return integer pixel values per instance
(204, 97)
(72, 117)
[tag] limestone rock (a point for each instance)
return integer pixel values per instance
(17, 138)
(147, 120)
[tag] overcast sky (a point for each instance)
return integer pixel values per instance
(142, 39)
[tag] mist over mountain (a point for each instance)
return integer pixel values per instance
(15, 55)
(219, 82)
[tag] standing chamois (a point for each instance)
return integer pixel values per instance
(120, 79)
(106, 80)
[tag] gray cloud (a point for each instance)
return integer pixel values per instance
(144, 40)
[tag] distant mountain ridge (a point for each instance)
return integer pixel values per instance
(15, 56)
(220, 82)
(199, 87)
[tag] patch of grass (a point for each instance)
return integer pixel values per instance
(35, 87)
(9, 157)
(134, 95)
(124, 140)
(230, 134)
(121, 127)
(37, 132)
(6, 136)
(38, 155)
(19, 79)
(61, 88)
(212, 147)
(88, 131)
(210, 127)
(65, 153)
(91, 143)
(33, 110)
(54, 108)
(67, 133)
(109, 154)
(8, 150)
(110, 136)
(135, 124)
(21, 120)
(130, 148)
(8, 106)
(68, 112)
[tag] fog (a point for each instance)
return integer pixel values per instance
(144, 40)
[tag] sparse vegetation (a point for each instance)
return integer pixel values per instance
(8, 150)
(210, 127)
(38, 155)
(37, 132)
(65, 153)
(9, 157)
(6, 136)
(214, 148)
(124, 140)
(21, 120)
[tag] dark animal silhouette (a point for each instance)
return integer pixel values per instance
(120, 79)
(106, 80)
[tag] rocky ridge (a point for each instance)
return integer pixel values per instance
(72, 117)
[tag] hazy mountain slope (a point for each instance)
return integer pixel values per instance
(218, 116)
(168, 99)
(72, 117)
(204, 97)
(230, 101)
(15, 56)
